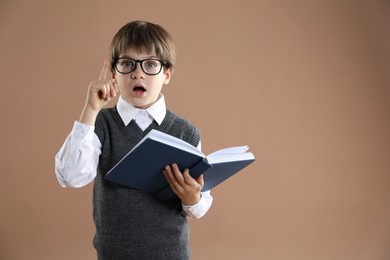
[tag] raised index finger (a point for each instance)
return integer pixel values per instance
(105, 73)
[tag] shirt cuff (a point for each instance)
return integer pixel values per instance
(199, 209)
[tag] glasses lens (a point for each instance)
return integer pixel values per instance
(125, 65)
(151, 67)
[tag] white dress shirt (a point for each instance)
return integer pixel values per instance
(77, 160)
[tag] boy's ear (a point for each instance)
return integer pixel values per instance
(168, 74)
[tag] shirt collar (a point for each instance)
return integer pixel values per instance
(127, 111)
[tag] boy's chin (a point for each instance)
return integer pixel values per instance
(140, 102)
(143, 105)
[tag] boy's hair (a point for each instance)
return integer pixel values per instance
(143, 37)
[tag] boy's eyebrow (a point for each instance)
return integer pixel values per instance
(148, 57)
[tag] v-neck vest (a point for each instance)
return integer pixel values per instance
(131, 224)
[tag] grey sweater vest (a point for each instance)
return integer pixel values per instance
(131, 224)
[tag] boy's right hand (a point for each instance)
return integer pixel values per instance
(100, 93)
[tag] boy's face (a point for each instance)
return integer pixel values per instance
(138, 88)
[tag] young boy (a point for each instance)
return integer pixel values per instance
(131, 224)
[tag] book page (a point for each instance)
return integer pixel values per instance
(216, 158)
(171, 141)
(230, 150)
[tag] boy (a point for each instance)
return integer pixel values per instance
(131, 224)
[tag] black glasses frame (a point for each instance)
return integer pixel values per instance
(163, 63)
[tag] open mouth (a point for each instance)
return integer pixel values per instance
(139, 89)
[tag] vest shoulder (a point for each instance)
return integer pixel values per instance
(179, 120)
(183, 128)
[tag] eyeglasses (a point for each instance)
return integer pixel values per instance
(149, 66)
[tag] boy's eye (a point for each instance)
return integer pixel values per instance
(150, 64)
(126, 63)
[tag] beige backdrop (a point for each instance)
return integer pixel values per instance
(305, 83)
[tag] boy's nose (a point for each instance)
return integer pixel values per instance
(138, 72)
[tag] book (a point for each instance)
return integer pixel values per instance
(142, 167)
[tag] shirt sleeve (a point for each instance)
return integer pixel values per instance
(77, 160)
(199, 209)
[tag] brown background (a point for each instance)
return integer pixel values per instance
(305, 83)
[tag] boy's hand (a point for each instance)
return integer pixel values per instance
(186, 188)
(100, 93)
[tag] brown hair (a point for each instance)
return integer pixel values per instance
(143, 37)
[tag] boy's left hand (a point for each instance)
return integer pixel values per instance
(186, 188)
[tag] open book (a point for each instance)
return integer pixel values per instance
(142, 168)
